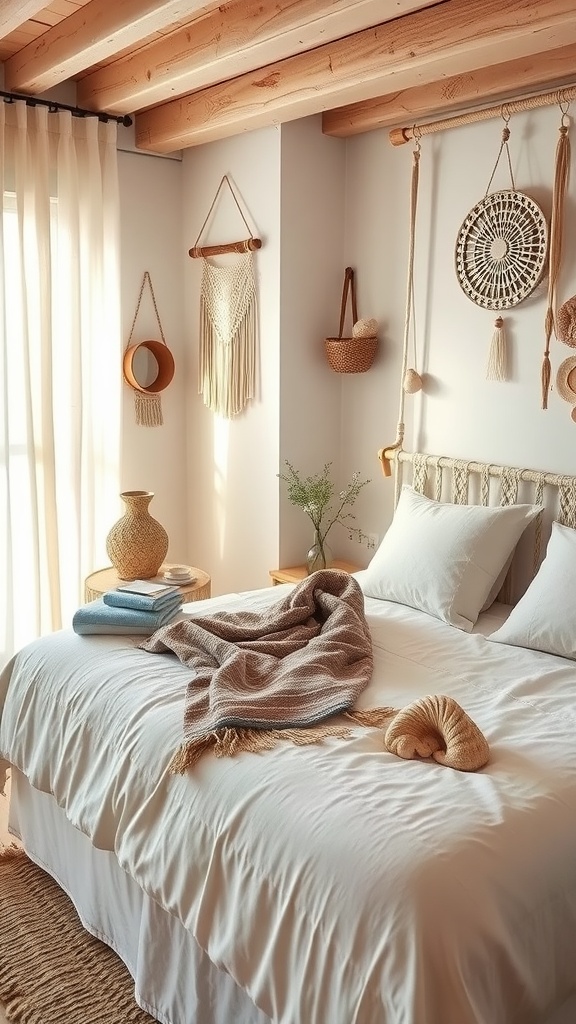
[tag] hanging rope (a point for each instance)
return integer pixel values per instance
(556, 239)
(497, 368)
(503, 146)
(406, 378)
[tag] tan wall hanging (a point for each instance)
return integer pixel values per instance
(147, 403)
(501, 251)
(228, 321)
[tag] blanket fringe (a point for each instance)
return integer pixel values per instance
(228, 742)
(375, 718)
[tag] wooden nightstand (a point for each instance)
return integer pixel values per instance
(97, 583)
(298, 572)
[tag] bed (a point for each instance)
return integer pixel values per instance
(334, 882)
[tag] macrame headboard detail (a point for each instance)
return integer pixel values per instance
(480, 483)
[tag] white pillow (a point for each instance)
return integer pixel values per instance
(545, 617)
(443, 558)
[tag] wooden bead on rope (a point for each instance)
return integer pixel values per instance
(412, 381)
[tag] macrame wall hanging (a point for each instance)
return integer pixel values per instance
(147, 402)
(561, 321)
(228, 321)
(500, 254)
(410, 380)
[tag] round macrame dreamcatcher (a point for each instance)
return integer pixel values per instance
(501, 249)
(500, 256)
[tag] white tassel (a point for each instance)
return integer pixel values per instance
(497, 361)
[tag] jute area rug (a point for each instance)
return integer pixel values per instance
(51, 970)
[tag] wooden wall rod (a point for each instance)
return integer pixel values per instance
(246, 245)
(398, 136)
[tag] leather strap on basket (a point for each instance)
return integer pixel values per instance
(349, 286)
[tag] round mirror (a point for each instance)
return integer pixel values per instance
(148, 366)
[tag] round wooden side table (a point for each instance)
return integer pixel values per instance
(97, 583)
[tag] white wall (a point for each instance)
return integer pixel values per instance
(232, 464)
(312, 235)
(460, 412)
(320, 204)
(154, 458)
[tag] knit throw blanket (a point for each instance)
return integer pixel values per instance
(276, 674)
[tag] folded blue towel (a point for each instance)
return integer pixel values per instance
(97, 617)
(143, 602)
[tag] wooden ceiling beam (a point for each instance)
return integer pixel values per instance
(410, 106)
(13, 13)
(461, 35)
(237, 38)
(92, 33)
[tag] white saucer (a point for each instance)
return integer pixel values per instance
(179, 580)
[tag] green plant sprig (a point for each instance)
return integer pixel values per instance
(315, 494)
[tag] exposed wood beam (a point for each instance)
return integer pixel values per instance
(461, 34)
(13, 13)
(512, 78)
(91, 34)
(235, 39)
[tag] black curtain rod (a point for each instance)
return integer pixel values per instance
(54, 106)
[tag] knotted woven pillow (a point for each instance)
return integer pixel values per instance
(438, 727)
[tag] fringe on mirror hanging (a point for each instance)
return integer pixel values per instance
(148, 410)
(498, 358)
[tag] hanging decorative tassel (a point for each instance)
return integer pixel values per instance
(148, 410)
(498, 359)
(556, 233)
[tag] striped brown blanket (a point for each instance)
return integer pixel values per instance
(276, 674)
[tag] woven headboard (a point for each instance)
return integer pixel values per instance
(480, 483)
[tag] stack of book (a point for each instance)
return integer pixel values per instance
(139, 607)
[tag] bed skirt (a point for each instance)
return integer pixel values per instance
(174, 981)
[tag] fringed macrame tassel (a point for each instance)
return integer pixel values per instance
(498, 358)
(148, 410)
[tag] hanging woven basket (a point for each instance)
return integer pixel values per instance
(354, 354)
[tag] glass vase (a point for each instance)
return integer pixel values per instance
(319, 555)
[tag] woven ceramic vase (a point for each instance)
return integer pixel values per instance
(137, 543)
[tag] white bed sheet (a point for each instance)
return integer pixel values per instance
(333, 883)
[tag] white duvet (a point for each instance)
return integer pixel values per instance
(337, 884)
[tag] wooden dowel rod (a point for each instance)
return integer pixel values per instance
(246, 245)
(398, 136)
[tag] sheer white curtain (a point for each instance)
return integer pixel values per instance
(60, 354)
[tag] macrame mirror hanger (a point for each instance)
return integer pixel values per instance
(147, 396)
